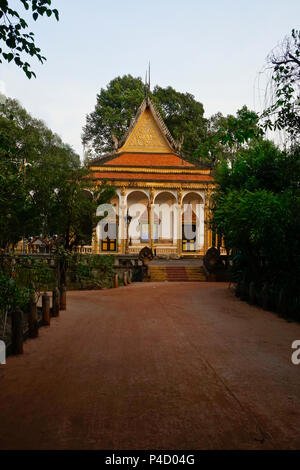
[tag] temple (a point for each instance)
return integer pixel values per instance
(162, 200)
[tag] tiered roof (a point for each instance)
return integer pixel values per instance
(149, 153)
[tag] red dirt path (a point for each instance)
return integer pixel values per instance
(154, 366)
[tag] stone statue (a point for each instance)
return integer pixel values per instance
(146, 255)
(214, 265)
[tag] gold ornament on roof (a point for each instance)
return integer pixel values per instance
(146, 136)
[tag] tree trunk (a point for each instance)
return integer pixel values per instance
(46, 309)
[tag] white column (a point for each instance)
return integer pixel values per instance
(175, 223)
(179, 227)
(151, 196)
(201, 227)
(122, 219)
(151, 225)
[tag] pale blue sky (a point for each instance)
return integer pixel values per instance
(212, 49)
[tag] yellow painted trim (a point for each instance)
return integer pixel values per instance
(154, 184)
(183, 171)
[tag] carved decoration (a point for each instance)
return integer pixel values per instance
(207, 198)
(146, 136)
(179, 195)
(152, 194)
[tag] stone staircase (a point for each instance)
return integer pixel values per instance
(176, 273)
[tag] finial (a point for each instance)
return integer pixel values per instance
(147, 83)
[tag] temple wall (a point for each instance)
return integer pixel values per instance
(156, 220)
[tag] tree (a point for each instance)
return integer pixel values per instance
(15, 36)
(44, 187)
(72, 209)
(257, 211)
(13, 201)
(183, 116)
(283, 111)
(226, 135)
(117, 105)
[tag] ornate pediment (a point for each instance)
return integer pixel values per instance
(146, 136)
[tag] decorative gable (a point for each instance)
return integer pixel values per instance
(146, 136)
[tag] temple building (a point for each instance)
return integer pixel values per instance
(162, 200)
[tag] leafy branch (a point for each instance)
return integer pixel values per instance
(14, 33)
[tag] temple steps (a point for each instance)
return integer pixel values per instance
(176, 273)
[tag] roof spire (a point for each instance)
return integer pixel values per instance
(147, 84)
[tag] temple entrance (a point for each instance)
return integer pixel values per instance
(164, 224)
(190, 228)
(137, 229)
(189, 244)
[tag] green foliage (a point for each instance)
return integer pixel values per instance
(21, 278)
(14, 34)
(34, 275)
(241, 128)
(11, 294)
(44, 188)
(257, 210)
(183, 116)
(224, 136)
(28, 273)
(92, 270)
(14, 207)
(117, 105)
(261, 166)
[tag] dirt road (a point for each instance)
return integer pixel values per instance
(154, 366)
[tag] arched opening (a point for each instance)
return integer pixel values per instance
(164, 223)
(137, 219)
(108, 227)
(192, 224)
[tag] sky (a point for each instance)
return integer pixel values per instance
(213, 49)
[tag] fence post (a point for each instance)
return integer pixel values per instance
(125, 279)
(17, 331)
(63, 298)
(33, 329)
(46, 309)
(116, 280)
(55, 302)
